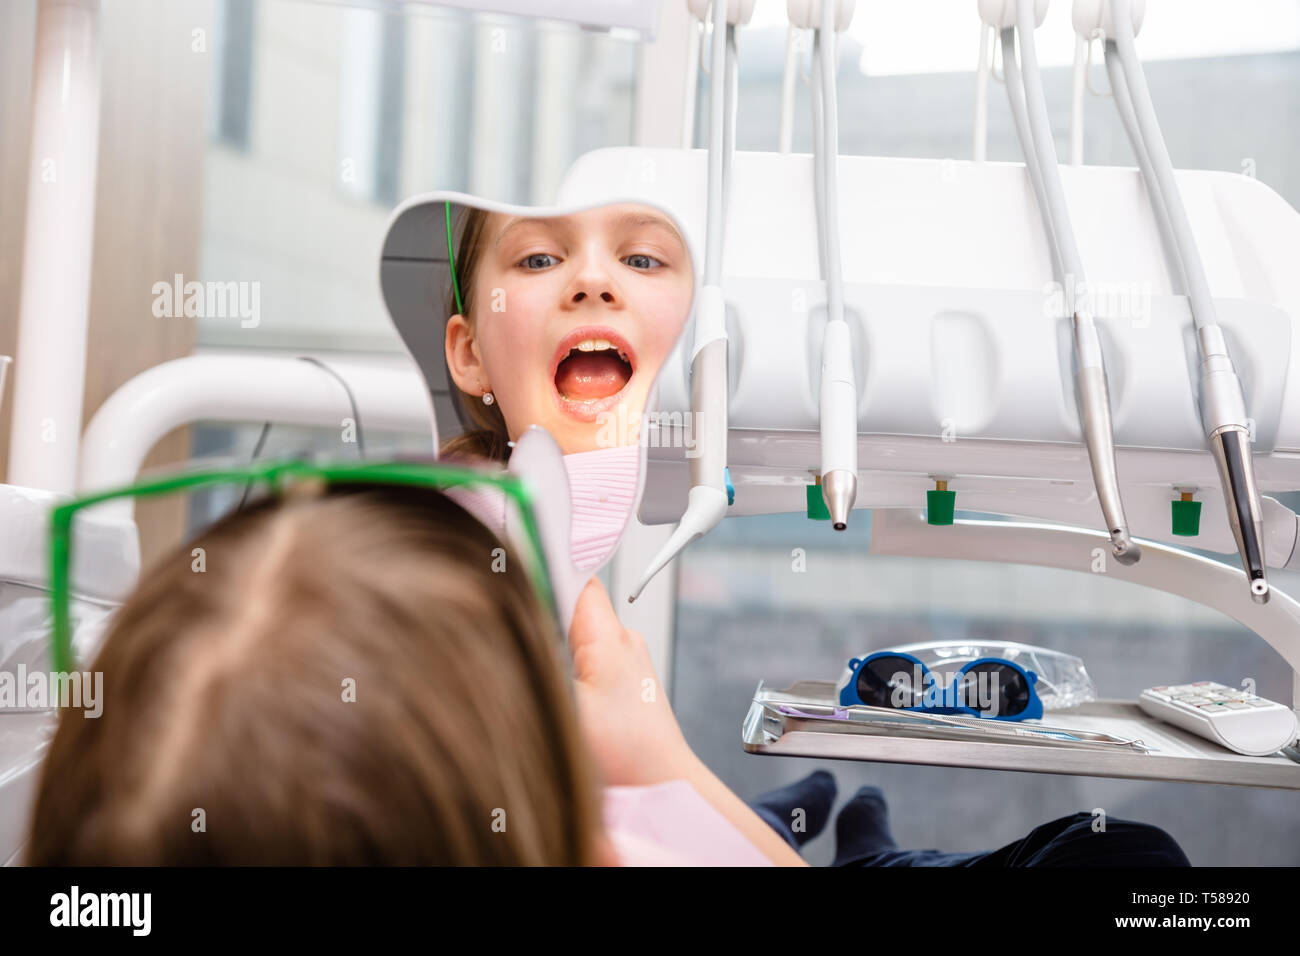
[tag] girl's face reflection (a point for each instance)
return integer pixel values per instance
(573, 317)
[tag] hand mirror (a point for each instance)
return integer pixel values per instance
(540, 333)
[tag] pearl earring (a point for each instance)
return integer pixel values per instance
(488, 398)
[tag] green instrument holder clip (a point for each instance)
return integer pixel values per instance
(817, 510)
(940, 503)
(1186, 516)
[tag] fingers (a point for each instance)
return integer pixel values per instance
(593, 616)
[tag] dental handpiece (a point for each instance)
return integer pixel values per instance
(838, 398)
(1222, 400)
(1092, 391)
(1223, 413)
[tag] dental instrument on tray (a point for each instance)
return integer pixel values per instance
(945, 725)
(1221, 398)
(1092, 391)
(710, 495)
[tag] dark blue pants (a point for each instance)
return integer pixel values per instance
(863, 837)
(1066, 841)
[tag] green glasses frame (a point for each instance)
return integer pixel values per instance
(412, 474)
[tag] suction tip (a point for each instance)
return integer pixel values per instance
(839, 490)
(705, 507)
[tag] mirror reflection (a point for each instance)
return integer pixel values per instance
(560, 321)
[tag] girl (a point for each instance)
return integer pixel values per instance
(355, 680)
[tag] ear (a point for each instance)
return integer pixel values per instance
(463, 360)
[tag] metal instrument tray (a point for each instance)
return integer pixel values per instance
(1112, 738)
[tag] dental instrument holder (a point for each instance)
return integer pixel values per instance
(1221, 397)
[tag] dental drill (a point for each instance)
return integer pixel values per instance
(1092, 392)
(1222, 400)
(708, 498)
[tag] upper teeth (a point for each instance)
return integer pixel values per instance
(599, 345)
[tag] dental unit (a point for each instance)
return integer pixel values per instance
(972, 389)
(912, 337)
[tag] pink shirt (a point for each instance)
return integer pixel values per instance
(602, 486)
(670, 824)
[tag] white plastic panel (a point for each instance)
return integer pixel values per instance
(981, 363)
(961, 226)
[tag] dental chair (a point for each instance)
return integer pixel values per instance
(105, 569)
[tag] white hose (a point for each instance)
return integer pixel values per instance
(717, 139)
(826, 158)
(1057, 213)
(979, 147)
(1016, 97)
(785, 134)
(1198, 289)
(1124, 103)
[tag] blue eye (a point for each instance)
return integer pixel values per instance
(640, 260)
(538, 260)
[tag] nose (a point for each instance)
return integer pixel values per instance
(593, 281)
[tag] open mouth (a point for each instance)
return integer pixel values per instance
(593, 367)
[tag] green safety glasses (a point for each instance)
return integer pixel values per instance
(278, 477)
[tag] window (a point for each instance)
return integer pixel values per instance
(234, 80)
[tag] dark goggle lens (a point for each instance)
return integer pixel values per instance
(995, 690)
(891, 682)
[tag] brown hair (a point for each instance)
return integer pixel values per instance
(489, 438)
(226, 692)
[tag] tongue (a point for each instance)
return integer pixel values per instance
(588, 376)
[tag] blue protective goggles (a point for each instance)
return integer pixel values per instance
(989, 687)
